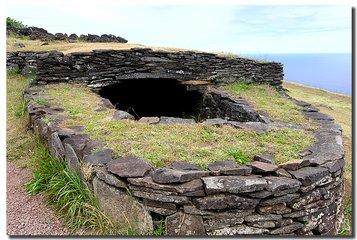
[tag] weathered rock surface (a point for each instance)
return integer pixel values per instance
(225, 201)
(182, 224)
(99, 158)
(281, 185)
(149, 120)
(56, 147)
(262, 167)
(238, 230)
(233, 184)
(166, 175)
(129, 166)
(121, 208)
(119, 115)
(309, 175)
(175, 120)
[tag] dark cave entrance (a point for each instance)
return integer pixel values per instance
(154, 97)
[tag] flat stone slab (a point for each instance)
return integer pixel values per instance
(251, 126)
(110, 179)
(182, 224)
(78, 143)
(215, 122)
(278, 184)
(71, 158)
(149, 120)
(225, 201)
(233, 184)
(161, 197)
(238, 230)
(166, 175)
(129, 166)
(287, 229)
(277, 200)
(120, 115)
(265, 158)
(174, 120)
(264, 217)
(293, 165)
(261, 167)
(99, 158)
(229, 167)
(310, 175)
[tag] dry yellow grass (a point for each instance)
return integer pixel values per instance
(66, 47)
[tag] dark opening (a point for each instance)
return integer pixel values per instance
(154, 97)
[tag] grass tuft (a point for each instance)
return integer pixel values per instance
(64, 189)
(239, 156)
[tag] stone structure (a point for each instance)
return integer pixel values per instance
(300, 197)
(35, 33)
(104, 67)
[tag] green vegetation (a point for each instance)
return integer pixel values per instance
(12, 23)
(19, 141)
(64, 189)
(339, 107)
(266, 99)
(160, 230)
(160, 144)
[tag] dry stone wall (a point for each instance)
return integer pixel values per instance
(300, 197)
(104, 67)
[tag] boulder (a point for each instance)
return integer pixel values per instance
(129, 166)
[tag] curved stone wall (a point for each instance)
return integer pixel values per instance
(104, 67)
(300, 197)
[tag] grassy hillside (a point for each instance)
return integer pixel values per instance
(340, 108)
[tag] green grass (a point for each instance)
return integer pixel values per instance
(160, 144)
(19, 141)
(265, 99)
(64, 189)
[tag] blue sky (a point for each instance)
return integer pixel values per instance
(228, 28)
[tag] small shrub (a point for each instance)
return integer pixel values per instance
(12, 23)
(239, 156)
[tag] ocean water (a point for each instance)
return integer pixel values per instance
(332, 72)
